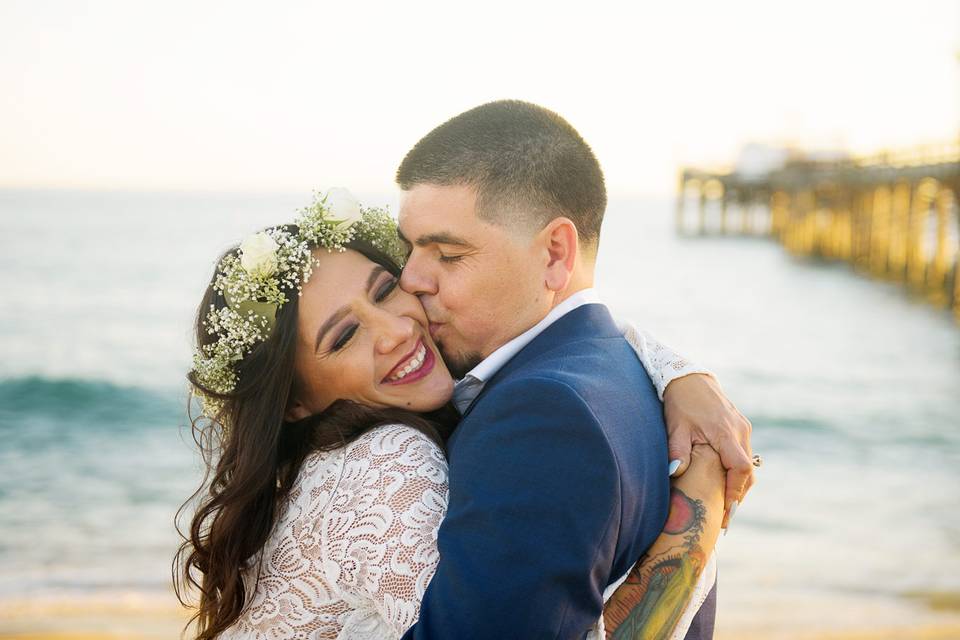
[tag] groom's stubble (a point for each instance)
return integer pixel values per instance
(459, 364)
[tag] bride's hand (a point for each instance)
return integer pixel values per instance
(698, 412)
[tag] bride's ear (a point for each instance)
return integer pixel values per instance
(296, 411)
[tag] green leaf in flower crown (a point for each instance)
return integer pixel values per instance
(265, 310)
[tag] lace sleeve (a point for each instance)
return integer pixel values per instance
(663, 365)
(382, 529)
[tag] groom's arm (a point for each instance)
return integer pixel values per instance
(531, 529)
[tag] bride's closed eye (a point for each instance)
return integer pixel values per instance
(382, 293)
(386, 289)
(344, 338)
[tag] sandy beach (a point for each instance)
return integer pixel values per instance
(102, 617)
(135, 617)
(170, 629)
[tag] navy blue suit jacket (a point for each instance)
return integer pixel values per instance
(558, 484)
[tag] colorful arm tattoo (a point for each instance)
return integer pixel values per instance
(650, 602)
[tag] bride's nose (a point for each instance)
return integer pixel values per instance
(393, 331)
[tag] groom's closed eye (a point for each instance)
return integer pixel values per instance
(448, 248)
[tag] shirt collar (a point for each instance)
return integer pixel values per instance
(495, 361)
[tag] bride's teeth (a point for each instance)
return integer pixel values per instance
(413, 365)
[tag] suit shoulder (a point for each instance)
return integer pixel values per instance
(536, 391)
(589, 364)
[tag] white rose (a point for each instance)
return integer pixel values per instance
(258, 255)
(343, 207)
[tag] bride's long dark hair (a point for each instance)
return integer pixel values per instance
(252, 464)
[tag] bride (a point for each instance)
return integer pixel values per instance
(326, 406)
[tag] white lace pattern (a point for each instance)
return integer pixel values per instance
(355, 544)
(663, 364)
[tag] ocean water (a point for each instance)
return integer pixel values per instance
(853, 389)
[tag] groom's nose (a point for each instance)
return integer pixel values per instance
(416, 278)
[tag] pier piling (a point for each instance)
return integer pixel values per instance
(893, 216)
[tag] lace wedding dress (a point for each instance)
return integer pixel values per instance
(355, 543)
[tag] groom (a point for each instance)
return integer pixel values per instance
(558, 469)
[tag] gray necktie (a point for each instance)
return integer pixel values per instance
(465, 392)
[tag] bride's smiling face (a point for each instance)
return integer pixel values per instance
(362, 338)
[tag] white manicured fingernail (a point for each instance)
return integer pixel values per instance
(674, 465)
(733, 512)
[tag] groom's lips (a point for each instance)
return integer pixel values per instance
(433, 327)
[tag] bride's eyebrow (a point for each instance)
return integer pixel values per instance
(340, 313)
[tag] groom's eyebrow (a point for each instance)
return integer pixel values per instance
(340, 313)
(441, 237)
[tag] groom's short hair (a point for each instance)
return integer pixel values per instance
(526, 163)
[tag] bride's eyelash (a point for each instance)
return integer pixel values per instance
(344, 338)
(388, 288)
(382, 294)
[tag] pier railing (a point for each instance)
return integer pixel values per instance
(892, 215)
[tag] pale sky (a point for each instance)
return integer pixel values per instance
(295, 95)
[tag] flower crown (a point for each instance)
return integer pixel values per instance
(254, 280)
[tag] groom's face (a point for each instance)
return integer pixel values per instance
(481, 284)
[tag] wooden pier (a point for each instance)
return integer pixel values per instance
(893, 216)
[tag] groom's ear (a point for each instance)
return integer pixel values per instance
(559, 239)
